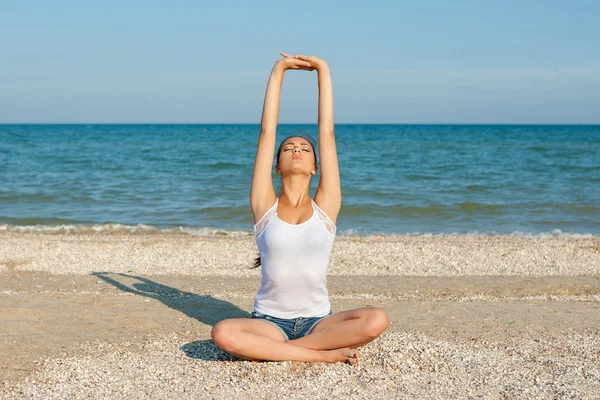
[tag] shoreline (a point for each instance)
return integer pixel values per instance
(207, 231)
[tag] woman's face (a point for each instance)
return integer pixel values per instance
(296, 156)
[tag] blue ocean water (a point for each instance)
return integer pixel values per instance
(396, 179)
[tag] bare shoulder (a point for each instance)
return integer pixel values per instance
(261, 207)
(330, 206)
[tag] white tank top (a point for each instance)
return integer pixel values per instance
(294, 264)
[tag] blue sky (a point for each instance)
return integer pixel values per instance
(391, 61)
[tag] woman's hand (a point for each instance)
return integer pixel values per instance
(291, 62)
(316, 62)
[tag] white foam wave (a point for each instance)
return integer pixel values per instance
(141, 229)
(556, 233)
(115, 229)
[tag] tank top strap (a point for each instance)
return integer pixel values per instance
(329, 225)
(262, 223)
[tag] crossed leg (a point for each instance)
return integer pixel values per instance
(254, 339)
(332, 340)
(352, 328)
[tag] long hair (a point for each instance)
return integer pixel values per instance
(304, 135)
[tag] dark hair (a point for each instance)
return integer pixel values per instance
(303, 135)
(313, 144)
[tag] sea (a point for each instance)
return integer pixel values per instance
(526, 180)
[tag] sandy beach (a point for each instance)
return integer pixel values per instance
(106, 316)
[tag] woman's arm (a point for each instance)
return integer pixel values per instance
(262, 193)
(329, 193)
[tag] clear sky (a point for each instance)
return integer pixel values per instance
(425, 61)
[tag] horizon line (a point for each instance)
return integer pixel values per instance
(308, 123)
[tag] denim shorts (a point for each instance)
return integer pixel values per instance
(294, 328)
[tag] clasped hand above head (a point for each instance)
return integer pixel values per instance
(307, 63)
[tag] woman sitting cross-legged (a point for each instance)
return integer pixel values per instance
(292, 317)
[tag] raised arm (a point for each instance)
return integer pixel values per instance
(329, 192)
(262, 192)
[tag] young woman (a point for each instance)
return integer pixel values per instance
(294, 233)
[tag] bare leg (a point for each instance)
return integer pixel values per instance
(351, 329)
(258, 340)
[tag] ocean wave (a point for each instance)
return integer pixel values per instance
(475, 188)
(437, 209)
(35, 197)
(556, 233)
(226, 165)
(120, 229)
(472, 207)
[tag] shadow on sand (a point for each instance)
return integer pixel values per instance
(204, 308)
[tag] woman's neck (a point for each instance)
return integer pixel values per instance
(295, 190)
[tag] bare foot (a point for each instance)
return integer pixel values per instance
(346, 355)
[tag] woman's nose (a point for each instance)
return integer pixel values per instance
(296, 150)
